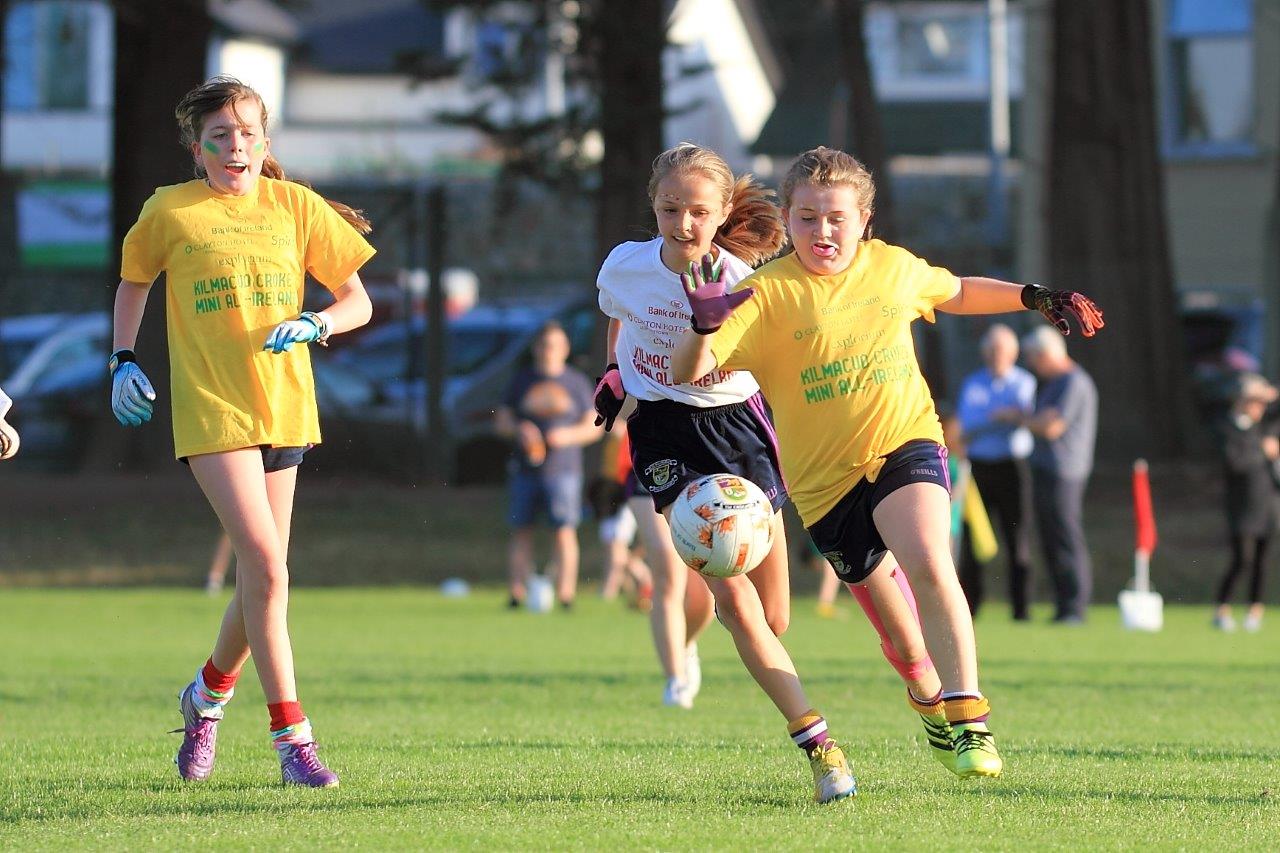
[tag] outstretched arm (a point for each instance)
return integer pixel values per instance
(978, 295)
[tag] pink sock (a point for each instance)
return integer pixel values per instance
(909, 671)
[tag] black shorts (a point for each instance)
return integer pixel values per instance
(673, 444)
(847, 535)
(275, 458)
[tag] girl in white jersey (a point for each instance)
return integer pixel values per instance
(234, 245)
(720, 423)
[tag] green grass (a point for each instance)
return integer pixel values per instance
(456, 724)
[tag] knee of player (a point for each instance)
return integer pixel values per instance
(778, 620)
(931, 570)
(266, 582)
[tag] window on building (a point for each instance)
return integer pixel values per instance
(936, 51)
(47, 56)
(1211, 103)
(948, 46)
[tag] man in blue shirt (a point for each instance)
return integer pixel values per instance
(1065, 426)
(993, 403)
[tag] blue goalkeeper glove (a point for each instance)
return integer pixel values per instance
(131, 392)
(309, 327)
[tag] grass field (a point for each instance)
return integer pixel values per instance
(456, 724)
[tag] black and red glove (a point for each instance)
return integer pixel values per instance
(609, 397)
(1056, 305)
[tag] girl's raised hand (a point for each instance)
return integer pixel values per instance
(708, 301)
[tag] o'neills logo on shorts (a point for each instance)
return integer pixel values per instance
(660, 474)
(923, 472)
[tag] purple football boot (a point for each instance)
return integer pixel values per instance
(199, 737)
(299, 765)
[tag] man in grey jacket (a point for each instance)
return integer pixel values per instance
(1065, 427)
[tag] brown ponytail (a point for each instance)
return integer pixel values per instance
(754, 229)
(216, 93)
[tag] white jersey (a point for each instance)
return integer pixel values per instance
(638, 290)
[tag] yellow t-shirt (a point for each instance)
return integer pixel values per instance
(835, 359)
(235, 269)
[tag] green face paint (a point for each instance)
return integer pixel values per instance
(211, 148)
(257, 147)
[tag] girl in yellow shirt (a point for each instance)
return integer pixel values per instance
(680, 432)
(236, 245)
(827, 335)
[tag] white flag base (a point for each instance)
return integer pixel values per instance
(1141, 611)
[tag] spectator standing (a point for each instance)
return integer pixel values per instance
(548, 413)
(8, 435)
(1065, 427)
(993, 403)
(1250, 448)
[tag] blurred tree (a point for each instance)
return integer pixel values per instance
(864, 129)
(594, 74)
(560, 78)
(161, 52)
(1271, 285)
(1106, 221)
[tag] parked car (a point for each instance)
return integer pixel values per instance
(58, 380)
(485, 348)
(56, 374)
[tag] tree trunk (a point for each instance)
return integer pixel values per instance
(1106, 222)
(629, 59)
(864, 131)
(632, 36)
(161, 54)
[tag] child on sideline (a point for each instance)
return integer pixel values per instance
(681, 431)
(607, 494)
(8, 435)
(828, 336)
(236, 244)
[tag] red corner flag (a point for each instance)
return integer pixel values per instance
(1143, 516)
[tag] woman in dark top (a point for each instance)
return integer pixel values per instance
(1250, 448)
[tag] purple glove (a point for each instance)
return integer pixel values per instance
(609, 397)
(710, 304)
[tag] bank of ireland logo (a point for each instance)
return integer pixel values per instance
(732, 488)
(660, 473)
(836, 559)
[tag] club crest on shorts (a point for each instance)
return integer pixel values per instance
(660, 473)
(836, 559)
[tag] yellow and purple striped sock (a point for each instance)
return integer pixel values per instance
(809, 730)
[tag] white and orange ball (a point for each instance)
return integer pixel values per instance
(722, 525)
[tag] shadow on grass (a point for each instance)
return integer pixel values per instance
(176, 800)
(1173, 751)
(1018, 791)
